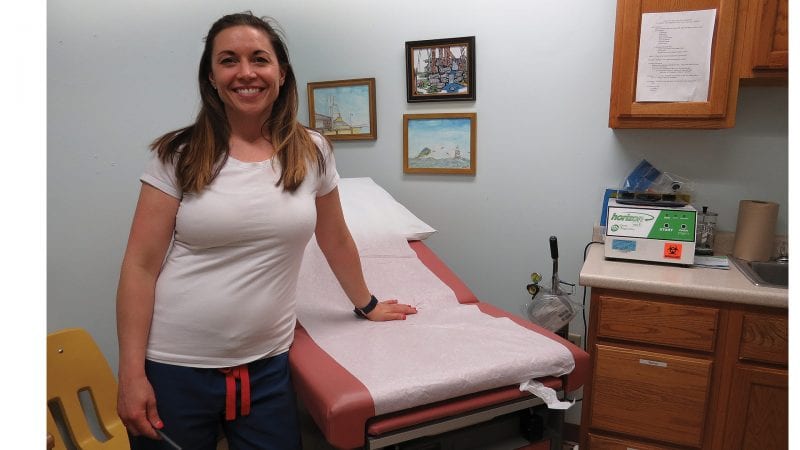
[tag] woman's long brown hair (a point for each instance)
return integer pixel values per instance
(200, 150)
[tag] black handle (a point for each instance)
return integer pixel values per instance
(553, 247)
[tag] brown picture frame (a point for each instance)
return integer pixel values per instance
(343, 109)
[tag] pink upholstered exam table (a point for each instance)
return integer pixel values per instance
(343, 408)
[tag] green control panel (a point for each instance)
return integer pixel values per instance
(661, 224)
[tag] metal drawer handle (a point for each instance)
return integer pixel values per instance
(650, 362)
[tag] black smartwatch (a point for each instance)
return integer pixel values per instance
(362, 312)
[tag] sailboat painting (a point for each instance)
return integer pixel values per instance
(439, 143)
(344, 109)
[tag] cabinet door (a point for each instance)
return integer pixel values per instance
(650, 395)
(765, 338)
(766, 51)
(719, 109)
(758, 412)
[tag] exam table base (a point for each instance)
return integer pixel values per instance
(553, 429)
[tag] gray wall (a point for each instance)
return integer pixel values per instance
(120, 73)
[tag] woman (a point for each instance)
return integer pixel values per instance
(241, 191)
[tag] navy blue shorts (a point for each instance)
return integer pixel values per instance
(192, 404)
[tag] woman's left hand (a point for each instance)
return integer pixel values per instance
(390, 310)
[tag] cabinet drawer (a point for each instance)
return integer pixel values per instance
(682, 326)
(650, 395)
(765, 338)
(605, 443)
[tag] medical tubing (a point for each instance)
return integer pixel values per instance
(585, 328)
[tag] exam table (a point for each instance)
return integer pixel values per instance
(342, 407)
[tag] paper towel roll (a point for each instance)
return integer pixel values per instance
(755, 230)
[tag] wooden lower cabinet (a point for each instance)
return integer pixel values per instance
(652, 395)
(605, 443)
(757, 417)
(680, 373)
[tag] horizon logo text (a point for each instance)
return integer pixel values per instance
(632, 217)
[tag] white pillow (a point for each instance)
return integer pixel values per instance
(370, 210)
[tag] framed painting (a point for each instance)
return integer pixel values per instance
(440, 143)
(440, 69)
(343, 109)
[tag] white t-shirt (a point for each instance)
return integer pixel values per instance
(226, 292)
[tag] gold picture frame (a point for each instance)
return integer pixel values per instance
(443, 143)
(343, 109)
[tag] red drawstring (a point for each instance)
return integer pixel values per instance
(231, 374)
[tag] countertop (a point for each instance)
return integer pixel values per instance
(695, 282)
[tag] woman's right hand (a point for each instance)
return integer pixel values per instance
(151, 232)
(136, 406)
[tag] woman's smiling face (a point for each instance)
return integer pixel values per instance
(245, 72)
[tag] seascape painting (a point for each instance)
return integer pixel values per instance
(440, 143)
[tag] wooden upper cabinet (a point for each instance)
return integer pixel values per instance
(718, 111)
(766, 36)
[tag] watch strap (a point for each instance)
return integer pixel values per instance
(362, 312)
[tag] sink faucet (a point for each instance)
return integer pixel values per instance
(783, 253)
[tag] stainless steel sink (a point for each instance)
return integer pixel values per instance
(769, 274)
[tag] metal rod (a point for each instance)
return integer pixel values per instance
(168, 440)
(554, 282)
